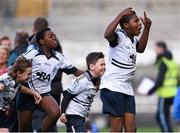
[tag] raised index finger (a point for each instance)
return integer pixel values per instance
(145, 14)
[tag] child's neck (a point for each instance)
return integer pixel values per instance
(93, 74)
(96, 81)
(47, 51)
(128, 33)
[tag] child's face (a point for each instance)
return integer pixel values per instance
(135, 25)
(25, 75)
(99, 68)
(49, 40)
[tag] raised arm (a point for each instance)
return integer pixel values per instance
(144, 37)
(110, 34)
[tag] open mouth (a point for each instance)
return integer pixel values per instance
(54, 42)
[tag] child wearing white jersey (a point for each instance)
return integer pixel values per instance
(10, 84)
(45, 64)
(116, 84)
(79, 96)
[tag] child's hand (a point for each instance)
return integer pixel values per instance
(127, 11)
(37, 97)
(146, 21)
(63, 118)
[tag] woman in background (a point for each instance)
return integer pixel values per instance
(4, 53)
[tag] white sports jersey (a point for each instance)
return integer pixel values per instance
(8, 94)
(120, 65)
(44, 69)
(85, 90)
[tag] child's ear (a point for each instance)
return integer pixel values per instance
(91, 66)
(41, 41)
(126, 25)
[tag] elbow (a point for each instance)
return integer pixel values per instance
(140, 50)
(106, 35)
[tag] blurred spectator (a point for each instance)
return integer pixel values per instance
(166, 85)
(4, 52)
(38, 25)
(21, 43)
(5, 41)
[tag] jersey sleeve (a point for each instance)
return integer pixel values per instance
(7, 81)
(31, 47)
(77, 86)
(118, 38)
(30, 54)
(66, 66)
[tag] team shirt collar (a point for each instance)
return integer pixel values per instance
(91, 78)
(125, 33)
(41, 52)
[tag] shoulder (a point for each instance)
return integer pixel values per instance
(7, 80)
(32, 46)
(58, 54)
(80, 82)
(78, 85)
(81, 79)
(121, 33)
(31, 53)
(162, 65)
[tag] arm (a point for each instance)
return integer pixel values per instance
(144, 37)
(65, 102)
(110, 34)
(68, 68)
(78, 73)
(35, 94)
(160, 78)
